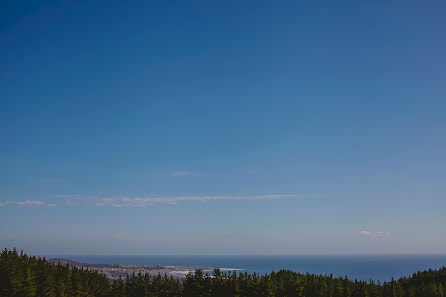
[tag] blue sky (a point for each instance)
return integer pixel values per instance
(223, 127)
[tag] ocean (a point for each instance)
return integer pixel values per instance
(381, 268)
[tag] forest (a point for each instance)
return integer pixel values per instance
(28, 276)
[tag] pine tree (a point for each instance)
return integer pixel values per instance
(49, 287)
(17, 281)
(118, 288)
(30, 286)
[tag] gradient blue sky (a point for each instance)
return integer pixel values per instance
(223, 127)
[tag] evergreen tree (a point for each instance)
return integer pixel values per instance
(30, 286)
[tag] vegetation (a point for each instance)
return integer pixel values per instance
(25, 276)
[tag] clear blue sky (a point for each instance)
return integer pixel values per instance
(223, 127)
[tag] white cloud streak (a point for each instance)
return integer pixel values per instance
(128, 202)
(374, 234)
(25, 203)
(150, 201)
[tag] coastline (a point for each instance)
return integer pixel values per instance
(361, 267)
(116, 271)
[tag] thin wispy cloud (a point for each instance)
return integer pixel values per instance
(374, 234)
(25, 203)
(150, 201)
(70, 202)
(76, 200)
(186, 173)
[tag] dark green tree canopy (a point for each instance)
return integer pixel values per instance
(24, 276)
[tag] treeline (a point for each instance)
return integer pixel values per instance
(24, 276)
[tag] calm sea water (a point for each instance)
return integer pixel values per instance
(381, 268)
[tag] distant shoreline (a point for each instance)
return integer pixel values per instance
(116, 271)
(362, 267)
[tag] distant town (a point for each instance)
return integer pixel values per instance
(115, 271)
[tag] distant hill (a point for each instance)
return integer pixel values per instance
(68, 262)
(64, 261)
(115, 271)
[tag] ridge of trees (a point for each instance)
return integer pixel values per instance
(25, 276)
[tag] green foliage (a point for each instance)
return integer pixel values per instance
(23, 276)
